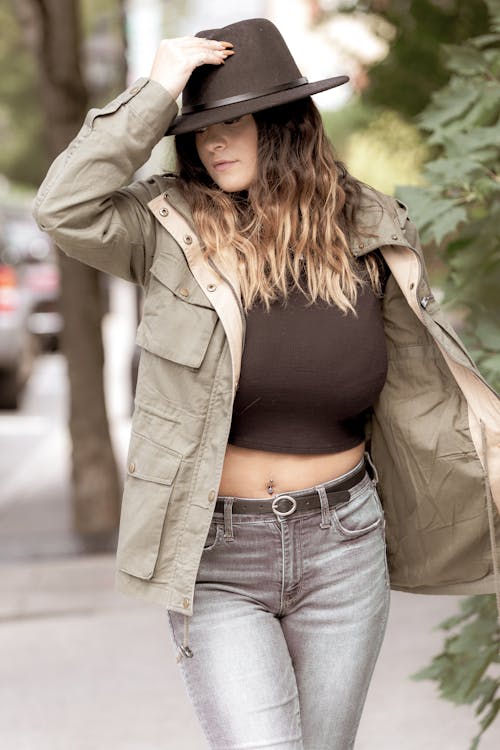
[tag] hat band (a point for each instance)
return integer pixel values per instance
(245, 97)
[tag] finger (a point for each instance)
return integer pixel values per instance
(218, 42)
(213, 57)
(211, 44)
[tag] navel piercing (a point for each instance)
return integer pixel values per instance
(270, 487)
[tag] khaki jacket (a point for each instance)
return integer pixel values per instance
(435, 430)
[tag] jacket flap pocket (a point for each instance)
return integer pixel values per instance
(152, 461)
(148, 486)
(179, 279)
(181, 336)
(178, 320)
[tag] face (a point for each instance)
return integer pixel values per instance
(228, 151)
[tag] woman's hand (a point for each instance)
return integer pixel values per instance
(176, 59)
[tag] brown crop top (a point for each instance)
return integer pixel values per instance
(308, 375)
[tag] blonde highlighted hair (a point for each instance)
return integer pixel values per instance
(295, 216)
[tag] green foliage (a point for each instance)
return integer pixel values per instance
(22, 156)
(389, 151)
(458, 209)
(417, 63)
(340, 124)
(379, 146)
(469, 652)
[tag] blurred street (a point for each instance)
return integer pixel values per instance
(85, 668)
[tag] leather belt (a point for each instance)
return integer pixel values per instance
(285, 504)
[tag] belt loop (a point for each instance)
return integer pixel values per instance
(228, 519)
(326, 516)
(373, 472)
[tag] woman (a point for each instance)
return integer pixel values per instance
(288, 332)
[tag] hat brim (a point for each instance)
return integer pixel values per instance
(196, 120)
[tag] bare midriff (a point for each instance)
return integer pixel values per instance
(249, 473)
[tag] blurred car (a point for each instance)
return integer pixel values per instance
(32, 253)
(17, 346)
(30, 318)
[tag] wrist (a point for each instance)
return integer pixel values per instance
(169, 85)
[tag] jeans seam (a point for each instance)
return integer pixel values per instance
(386, 563)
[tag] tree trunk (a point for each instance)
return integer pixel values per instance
(52, 31)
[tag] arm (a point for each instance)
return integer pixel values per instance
(83, 202)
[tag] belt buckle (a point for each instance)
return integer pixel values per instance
(285, 513)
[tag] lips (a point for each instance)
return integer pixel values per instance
(221, 166)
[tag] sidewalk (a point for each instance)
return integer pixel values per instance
(85, 668)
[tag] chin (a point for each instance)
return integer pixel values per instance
(231, 186)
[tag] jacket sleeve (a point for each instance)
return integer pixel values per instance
(84, 203)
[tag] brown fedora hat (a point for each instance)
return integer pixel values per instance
(261, 74)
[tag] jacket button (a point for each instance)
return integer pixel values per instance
(394, 236)
(212, 287)
(185, 603)
(163, 211)
(361, 245)
(188, 239)
(211, 496)
(135, 90)
(131, 467)
(184, 292)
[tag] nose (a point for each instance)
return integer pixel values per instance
(214, 138)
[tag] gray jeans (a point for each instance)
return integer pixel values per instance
(289, 615)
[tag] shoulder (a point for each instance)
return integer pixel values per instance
(167, 184)
(380, 219)
(151, 187)
(373, 200)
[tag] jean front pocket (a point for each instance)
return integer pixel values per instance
(360, 515)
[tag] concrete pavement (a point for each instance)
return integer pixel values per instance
(85, 668)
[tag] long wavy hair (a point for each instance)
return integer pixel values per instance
(293, 220)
